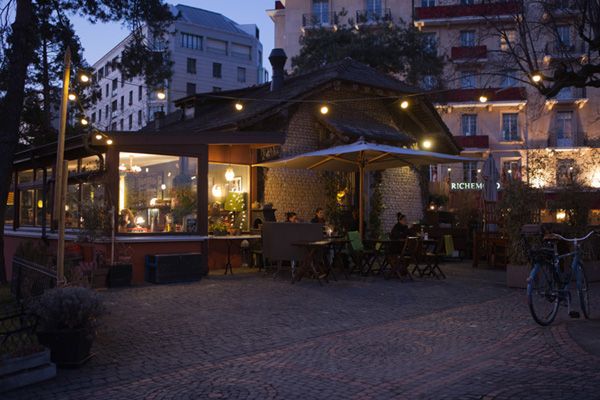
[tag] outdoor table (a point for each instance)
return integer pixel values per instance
(229, 241)
(315, 256)
(385, 250)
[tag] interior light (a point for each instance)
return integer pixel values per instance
(40, 204)
(163, 186)
(483, 98)
(229, 174)
(140, 220)
(427, 144)
(109, 142)
(404, 105)
(449, 169)
(98, 137)
(217, 192)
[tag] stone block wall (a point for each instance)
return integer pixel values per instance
(401, 193)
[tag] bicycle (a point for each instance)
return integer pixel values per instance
(548, 285)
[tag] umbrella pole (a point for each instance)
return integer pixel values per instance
(361, 201)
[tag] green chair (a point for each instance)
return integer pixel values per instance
(362, 258)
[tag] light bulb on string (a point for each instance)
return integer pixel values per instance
(239, 106)
(72, 96)
(404, 104)
(84, 121)
(83, 77)
(324, 109)
(161, 95)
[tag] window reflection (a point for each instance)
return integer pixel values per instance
(157, 193)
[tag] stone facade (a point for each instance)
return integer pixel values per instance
(303, 191)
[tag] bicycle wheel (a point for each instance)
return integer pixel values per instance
(542, 294)
(584, 295)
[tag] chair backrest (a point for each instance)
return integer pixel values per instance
(355, 241)
(278, 239)
(411, 246)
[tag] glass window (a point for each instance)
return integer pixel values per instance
(563, 33)
(433, 173)
(191, 65)
(467, 38)
(427, 3)
(320, 9)
(216, 46)
(467, 2)
(508, 39)
(115, 84)
(140, 117)
(216, 89)
(190, 41)
(140, 93)
(430, 42)
(122, 103)
(510, 129)
(429, 82)
(565, 170)
(511, 169)
(564, 129)
(467, 80)
(470, 171)
(217, 70)
(228, 196)
(157, 193)
(25, 176)
(9, 214)
(374, 7)
(469, 124)
(130, 122)
(99, 115)
(509, 78)
(130, 97)
(27, 207)
(91, 163)
(190, 88)
(241, 75)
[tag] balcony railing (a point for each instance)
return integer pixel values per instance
(468, 52)
(558, 49)
(316, 20)
(516, 94)
(476, 141)
(570, 94)
(467, 10)
(560, 140)
(373, 17)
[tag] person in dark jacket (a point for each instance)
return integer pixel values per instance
(319, 217)
(400, 230)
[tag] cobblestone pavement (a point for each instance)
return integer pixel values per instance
(249, 337)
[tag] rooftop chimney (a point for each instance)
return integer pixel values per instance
(277, 59)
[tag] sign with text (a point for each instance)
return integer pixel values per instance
(468, 185)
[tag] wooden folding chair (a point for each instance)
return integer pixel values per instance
(431, 252)
(362, 258)
(399, 261)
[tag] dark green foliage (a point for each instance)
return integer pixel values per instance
(390, 48)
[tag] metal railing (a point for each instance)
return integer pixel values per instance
(30, 279)
(373, 16)
(315, 20)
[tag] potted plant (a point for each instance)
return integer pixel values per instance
(218, 228)
(68, 318)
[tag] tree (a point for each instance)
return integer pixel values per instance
(36, 38)
(388, 47)
(555, 44)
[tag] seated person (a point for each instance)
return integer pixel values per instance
(319, 217)
(400, 230)
(291, 217)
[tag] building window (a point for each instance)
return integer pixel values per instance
(469, 124)
(140, 93)
(131, 97)
(429, 82)
(216, 89)
(510, 127)
(121, 124)
(130, 122)
(93, 117)
(564, 129)
(241, 75)
(320, 10)
(511, 169)
(190, 88)
(229, 197)
(107, 91)
(563, 34)
(114, 105)
(467, 38)
(241, 51)
(509, 78)
(122, 103)
(217, 70)
(433, 173)
(113, 126)
(191, 65)
(157, 193)
(216, 46)
(139, 117)
(467, 80)
(470, 171)
(427, 3)
(467, 2)
(190, 41)
(374, 7)
(122, 81)
(106, 112)
(508, 39)
(101, 73)
(99, 115)
(565, 171)
(430, 42)
(115, 84)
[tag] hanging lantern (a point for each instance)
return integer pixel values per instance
(229, 174)
(217, 191)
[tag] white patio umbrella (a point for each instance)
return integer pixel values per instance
(362, 156)
(491, 176)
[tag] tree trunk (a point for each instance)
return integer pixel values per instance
(19, 55)
(46, 90)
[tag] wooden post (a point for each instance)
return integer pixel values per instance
(361, 198)
(62, 173)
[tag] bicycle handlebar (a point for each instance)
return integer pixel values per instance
(574, 239)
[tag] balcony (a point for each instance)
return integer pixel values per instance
(365, 17)
(473, 142)
(560, 140)
(563, 51)
(471, 96)
(462, 12)
(468, 53)
(319, 20)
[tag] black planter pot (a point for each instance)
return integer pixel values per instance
(68, 348)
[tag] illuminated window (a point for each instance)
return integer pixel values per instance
(228, 199)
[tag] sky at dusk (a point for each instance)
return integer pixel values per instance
(100, 38)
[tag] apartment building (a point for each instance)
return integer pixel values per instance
(486, 103)
(210, 53)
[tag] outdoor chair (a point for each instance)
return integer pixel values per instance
(362, 258)
(432, 252)
(398, 260)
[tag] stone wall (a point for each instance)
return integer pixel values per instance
(303, 191)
